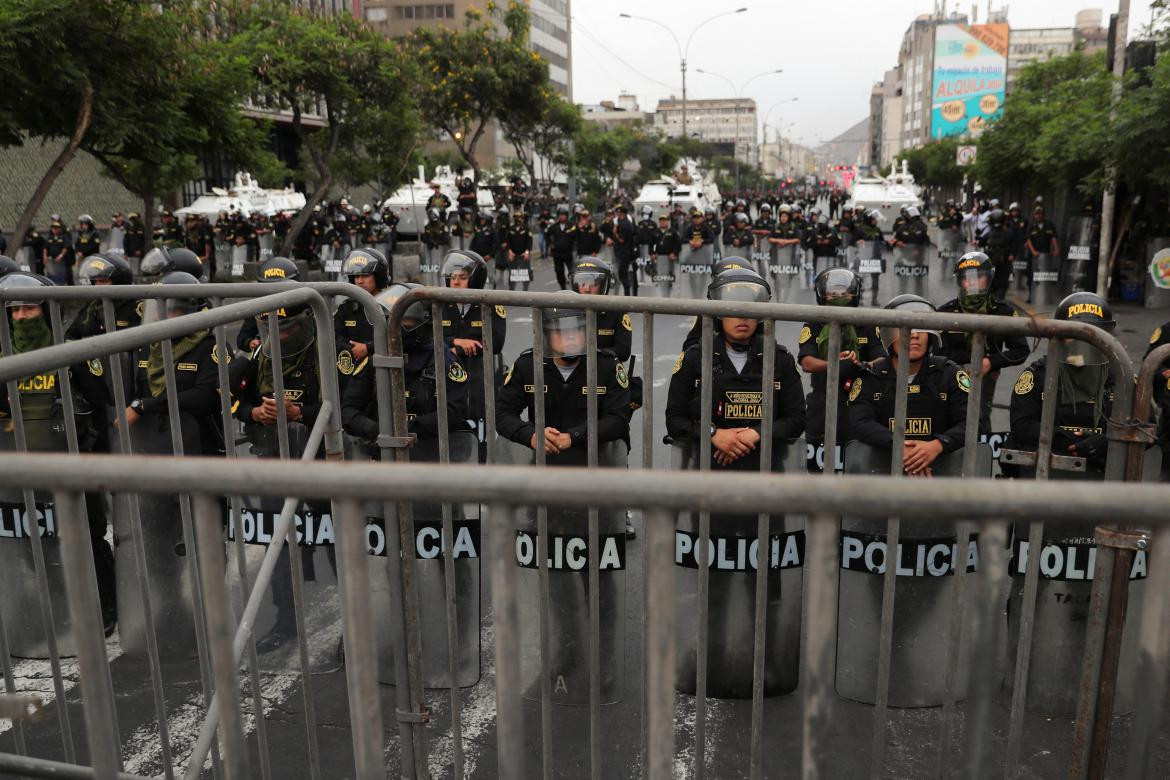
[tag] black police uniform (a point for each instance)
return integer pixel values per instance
(1002, 351)
(692, 233)
(589, 240)
(668, 244)
(197, 393)
(134, 242)
(350, 324)
(936, 405)
(170, 234)
(468, 198)
(999, 243)
(561, 239)
(648, 233)
(435, 234)
(469, 324)
(615, 332)
(1085, 418)
(625, 249)
(911, 232)
(59, 246)
(736, 399)
(1042, 235)
(868, 347)
(88, 242)
(565, 405)
(483, 241)
(822, 240)
(519, 240)
(91, 320)
(739, 238)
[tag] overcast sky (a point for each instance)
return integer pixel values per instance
(831, 51)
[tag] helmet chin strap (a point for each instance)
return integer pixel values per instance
(738, 346)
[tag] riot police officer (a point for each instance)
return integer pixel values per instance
(589, 238)
(1084, 390)
(359, 405)
(135, 241)
(975, 273)
(518, 242)
(564, 437)
(1042, 238)
(936, 409)
(57, 254)
(764, 223)
(438, 201)
(736, 392)
(860, 347)
(99, 270)
(739, 238)
(999, 244)
(483, 240)
(40, 403)
(912, 230)
(435, 234)
(89, 240)
(594, 276)
(562, 239)
(368, 269)
(163, 260)
(695, 334)
(697, 234)
(170, 232)
(468, 198)
(821, 239)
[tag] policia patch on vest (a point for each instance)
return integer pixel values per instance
(345, 362)
(1025, 383)
(805, 335)
(456, 373)
(963, 379)
(623, 379)
(627, 323)
(95, 367)
(855, 390)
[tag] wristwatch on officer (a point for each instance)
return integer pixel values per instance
(136, 405)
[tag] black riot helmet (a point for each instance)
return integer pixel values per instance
(466, 262)
(996, 217)
(163, 260)
(1090, 308)
(278, 269)
(732, 263)
(741, 218)
(416, 320)
(28, 284)
(564, 333)
(908, 302)
(594, 272)
(367, 261)
(7, 266)
(104, 266)
(158, 309)
(837, 287)
(739, 284)
(974, 273)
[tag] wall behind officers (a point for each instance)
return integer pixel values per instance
(860, 347)
(1084, 390)
(936, 408)
(566, 390)
(359, 405)
(737, 390)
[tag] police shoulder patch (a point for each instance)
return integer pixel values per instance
(1156, 335)
(1025, 383)
(345, 362)
(855, 390)
(678, 363)
(457, 373)
(501, 312)
(226, 353)
(141, 307)
(805, 334)
(627, 323)
(964, 380)
(95, 367)
(508, 376)
(623, 379)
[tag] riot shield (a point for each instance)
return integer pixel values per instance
(570, 627)
(870, 267)
(430, 264)
(1080, 255)
(645, 272)
(223, 261)
(732, 556)
(844, 241)
(116, 241)
(331, 260)
(239, 260)
(808, 264)
(606, 253)
(22, 590)
(695, 267)
(927, 550)
(265, 242)
(1045, 290)
(431, 580)
(761, 255)
(167, 567)
(784, 274)
(519, 273)
(950, 248)
(24, 258)
(910, 269)
(1020, 268)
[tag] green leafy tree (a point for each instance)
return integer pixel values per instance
(544, 133)
(935, 163)
(599, 156)
(348, 78)
(1139, 131)
(482, 73)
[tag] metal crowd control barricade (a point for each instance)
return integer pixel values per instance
(970, 505)
(925, 560)
(910, 269)
(694, 268)
(1045, 277)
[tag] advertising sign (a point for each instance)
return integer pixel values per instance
(970, 73)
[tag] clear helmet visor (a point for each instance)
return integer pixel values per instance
(93, 268)
(1079, 353)
(973, 281)
(564, 337)
(591, 281)
(156, 263)
(295, 332)
(160, 309)
(741, 292)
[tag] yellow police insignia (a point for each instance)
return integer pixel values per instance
(964, 381)
(855, 390)
(627, 323)
(623, 379)
(345, 362)
(508, 376)
(456, 373)
(1157, 335)
(140, 307)
(215, 354)
(95, 367)
(1025, 383)
(678, 363)
(501, 312)
(805, 334)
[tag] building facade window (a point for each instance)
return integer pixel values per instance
(428, 11)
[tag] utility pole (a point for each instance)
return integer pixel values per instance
(1109, 198)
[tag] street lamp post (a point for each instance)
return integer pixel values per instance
(682, 51)
(738, 93)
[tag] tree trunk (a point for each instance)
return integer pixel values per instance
(84, 115)
(148, 220)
